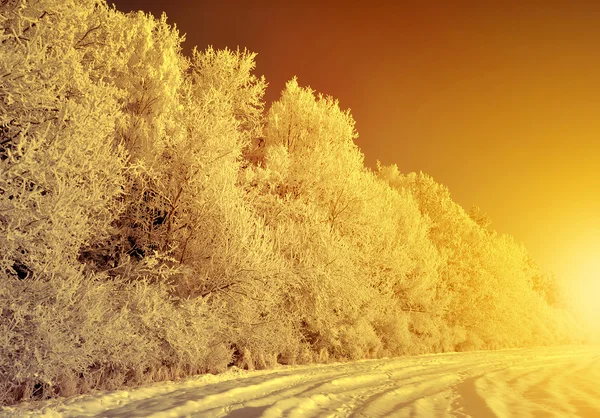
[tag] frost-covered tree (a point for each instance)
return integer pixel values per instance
(358, 248)
(141, 56)
(61, 182)
(92, 121)
(319, 138)
(231, 73)
(487, 278)
(61, 170)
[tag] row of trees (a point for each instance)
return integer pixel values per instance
(156, 222)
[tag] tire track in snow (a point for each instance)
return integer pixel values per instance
(548, 382)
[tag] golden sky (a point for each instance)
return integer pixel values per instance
(500, 102)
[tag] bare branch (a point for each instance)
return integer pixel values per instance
(79, 43)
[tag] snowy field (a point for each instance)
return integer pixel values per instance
(542, 382)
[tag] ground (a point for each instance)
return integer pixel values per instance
(538, 382)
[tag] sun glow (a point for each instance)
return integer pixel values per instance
(587, 293)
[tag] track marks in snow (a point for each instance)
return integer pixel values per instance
(551, 387)
(543, 382)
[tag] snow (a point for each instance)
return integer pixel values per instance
(537, 382)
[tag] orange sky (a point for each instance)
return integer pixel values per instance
(500, 103)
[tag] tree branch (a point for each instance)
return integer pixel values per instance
(79, 44)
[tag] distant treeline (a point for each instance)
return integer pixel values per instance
(156, 221)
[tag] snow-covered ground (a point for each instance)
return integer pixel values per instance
(541, 382)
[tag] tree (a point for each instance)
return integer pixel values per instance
(490, 280)
(367, 251)
(480, 218)
(61, 181)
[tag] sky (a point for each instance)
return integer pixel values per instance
(498, 101)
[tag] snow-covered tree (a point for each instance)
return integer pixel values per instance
(486, 277)
(61, 182)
